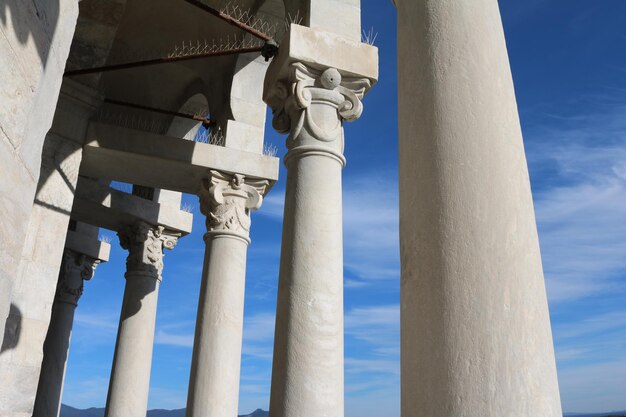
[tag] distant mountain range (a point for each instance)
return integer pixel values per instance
(67, 411)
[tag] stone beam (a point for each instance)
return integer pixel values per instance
(342, 17)
(138, 157)
(102, 206)
(87, 245)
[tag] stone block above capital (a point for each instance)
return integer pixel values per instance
(316, 81)
(321, 50)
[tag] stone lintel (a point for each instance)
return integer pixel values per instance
(159, 161)
(102, 206)
(92, 247)
(321, 50)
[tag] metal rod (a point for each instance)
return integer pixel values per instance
(229, 19)
(163, 60)
(205, 122)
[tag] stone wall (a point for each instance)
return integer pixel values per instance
(35, 37)
(35, 280)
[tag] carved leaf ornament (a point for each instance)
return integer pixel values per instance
(76, 267)
(228, 201)
(145, 244)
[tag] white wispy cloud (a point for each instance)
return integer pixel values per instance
(370, 225)
(582, 232)
(162, 398)
(379, 326)
(593, 388)
(258, 336)
(162, 337)
(88, 392)
(373, 364)
(100, 322)
(579, 162)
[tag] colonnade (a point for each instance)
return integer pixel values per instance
(475, 327)
(226, 200)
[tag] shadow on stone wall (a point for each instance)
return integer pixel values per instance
(20, 17)
(12, 329)
(59, 169)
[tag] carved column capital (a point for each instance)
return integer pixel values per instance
(311, 105)
(145, 244)
(75, 268)
(227, 200)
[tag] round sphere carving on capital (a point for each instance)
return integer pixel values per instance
(331, 79)
(311, 104)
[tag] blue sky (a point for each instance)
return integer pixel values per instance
(569, 68)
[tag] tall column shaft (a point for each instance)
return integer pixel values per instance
(308, 353)
(130, 375)
(476, 338)
(216, 362)
(74, 269)
(310, 102)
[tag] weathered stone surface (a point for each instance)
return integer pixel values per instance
(310, 101)
(342, 17)
(33, 292)
(130, 375)
(476, 337)
(102, 206)
(227, 201)
(35, 38)
(139, 157)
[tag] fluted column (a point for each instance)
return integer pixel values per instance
(310, 102)
(226, 201)
(476, 337)
(75, 268)
(130, 375)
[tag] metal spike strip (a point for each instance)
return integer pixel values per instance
(134, 122)
(236, 16)
(193, 48)
(210, 138)
(246, 16)
(183, 55)
(207, 123)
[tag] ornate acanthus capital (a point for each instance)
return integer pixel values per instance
(75, 268)
(315, 83)
(227, 200)
(145, 244)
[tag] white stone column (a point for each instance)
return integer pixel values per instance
(476, 337)
(310, 102)
(226, 201)
(130, 375)
(75, 268)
